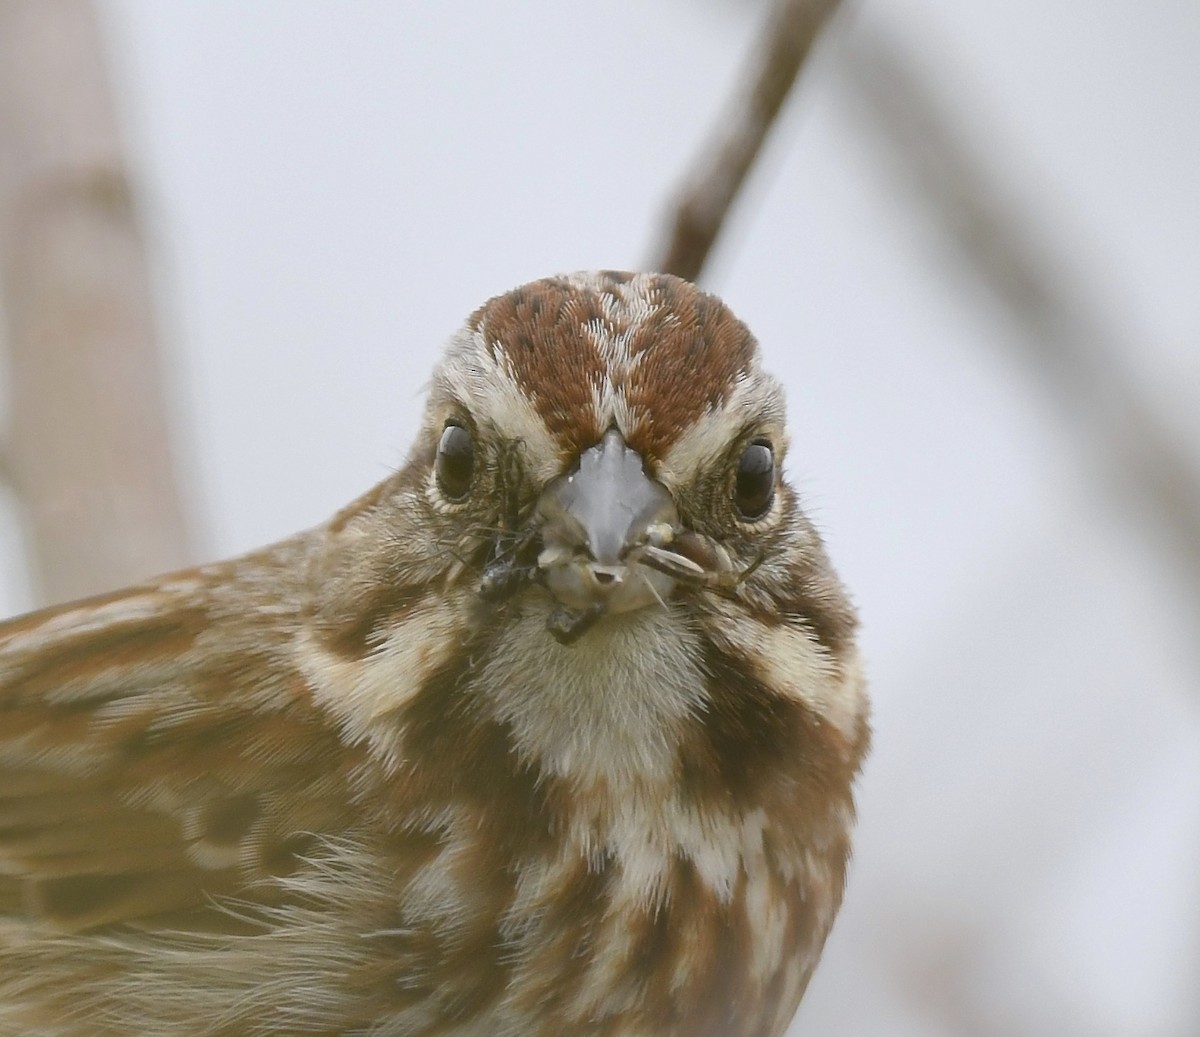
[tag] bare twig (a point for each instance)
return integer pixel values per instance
(709, 190)
(87, 447)
(1079, 358)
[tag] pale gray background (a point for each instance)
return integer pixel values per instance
(329, 189)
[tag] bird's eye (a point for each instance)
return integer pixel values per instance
(455, 461)
(754, 485)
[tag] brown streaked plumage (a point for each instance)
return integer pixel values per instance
(553, 732)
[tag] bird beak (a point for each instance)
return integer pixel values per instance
(595, 522)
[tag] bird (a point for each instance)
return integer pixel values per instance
(555, 731)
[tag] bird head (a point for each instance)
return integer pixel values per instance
(609, 440)
(591, 544)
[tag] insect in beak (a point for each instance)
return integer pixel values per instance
(605, 538)
(596, 522)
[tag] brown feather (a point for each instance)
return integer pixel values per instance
(332, 788)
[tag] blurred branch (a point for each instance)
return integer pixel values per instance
(1077, 357)
(88, 448)
(717, 175)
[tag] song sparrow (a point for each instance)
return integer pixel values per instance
(551, 733)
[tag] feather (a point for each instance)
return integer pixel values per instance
(356, 783)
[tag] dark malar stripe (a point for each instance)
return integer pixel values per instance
(462, 755)
(747, 736)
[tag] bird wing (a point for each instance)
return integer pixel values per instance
(158, 750)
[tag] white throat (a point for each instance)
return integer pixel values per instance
(609, 708)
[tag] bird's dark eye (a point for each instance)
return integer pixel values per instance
(754, 486)
(455, 461)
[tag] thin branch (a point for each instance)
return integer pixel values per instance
(1080, 359)
(88, 430)
(717, 175)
